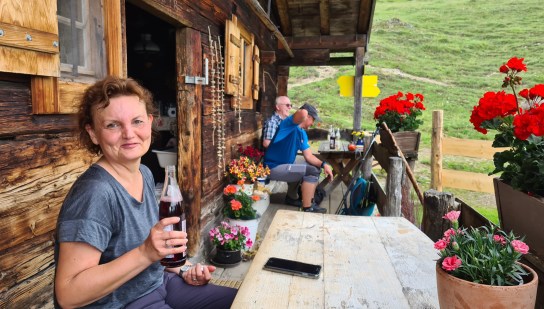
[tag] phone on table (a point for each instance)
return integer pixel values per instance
(293, 267)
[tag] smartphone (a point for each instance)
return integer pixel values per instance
(293, 267)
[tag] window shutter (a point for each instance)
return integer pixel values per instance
(256, 62)
(232, 56)
(29, 37)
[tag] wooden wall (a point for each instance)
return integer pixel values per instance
(40, 157)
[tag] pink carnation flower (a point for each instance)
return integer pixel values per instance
(499, 239)
(441, 244)
(451, 263)
(452, 215)
(520, 246)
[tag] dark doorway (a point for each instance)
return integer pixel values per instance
(151, 60)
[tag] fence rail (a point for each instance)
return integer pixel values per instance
(441, 146)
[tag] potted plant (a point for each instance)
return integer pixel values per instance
(239, 211)
(229, 240)
(480, 267)
(400, 112)
(517, 118)
(244, 171)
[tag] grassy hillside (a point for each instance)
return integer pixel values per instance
(450, 51)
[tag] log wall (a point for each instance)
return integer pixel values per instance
(40, 157)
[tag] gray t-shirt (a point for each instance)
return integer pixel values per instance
(100, 212)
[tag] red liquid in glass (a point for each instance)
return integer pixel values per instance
(168, 208)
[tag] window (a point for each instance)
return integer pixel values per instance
(81, 39)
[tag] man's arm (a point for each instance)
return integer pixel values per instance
(299, 116)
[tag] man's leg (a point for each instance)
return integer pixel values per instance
(309, 184)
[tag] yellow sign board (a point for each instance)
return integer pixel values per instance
(370, 86)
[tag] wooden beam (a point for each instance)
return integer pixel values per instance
(283, 80)
(268, 57)
(358, 88)
(324, 17)
(113, 37)
(332, 42)
(285, 21)
(189, 63)
(257, 9)
(364, 21)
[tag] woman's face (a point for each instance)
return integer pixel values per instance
(122, 130)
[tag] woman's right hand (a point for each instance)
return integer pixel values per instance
(161, 243)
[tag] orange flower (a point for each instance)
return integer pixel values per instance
(230, 189)
(235, 205)
(255, 198)
(241, 182)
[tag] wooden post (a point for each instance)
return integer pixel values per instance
(393, 187)
(283, 80)
(189, 118)
(436, 150)
(367, 162)
(437, 204)
(358, 88)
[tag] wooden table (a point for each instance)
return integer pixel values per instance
(342, 161)
(368, 262)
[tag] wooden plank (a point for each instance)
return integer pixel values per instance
(467, 181)
(469, 148)
(29, 39)
(413, 257)
(69, 95)
(281, 240)
(332, 42)
(285, 20)
(436, 150)
(39, 15)
(324, 18)
(15, 60)
(44, 95)
(375, 278)
(232, 56)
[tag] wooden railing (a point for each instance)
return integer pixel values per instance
(442, 146)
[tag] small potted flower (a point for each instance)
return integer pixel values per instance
(480, 267)
(358, 137)
(238, 208)
(229, 241)
(400, 112)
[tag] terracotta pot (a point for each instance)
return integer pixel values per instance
(522, 214)
(457, 293)
(226, 258)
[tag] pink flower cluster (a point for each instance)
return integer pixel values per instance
(230, 237)
(450, 249)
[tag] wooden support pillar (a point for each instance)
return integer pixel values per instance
(408, 207)
(436, 150)
(189, 62)
(393, 187)
(437, 204)
(283, 80)
(358, 88)
(367, 162)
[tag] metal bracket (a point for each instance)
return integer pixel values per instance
(197, 80)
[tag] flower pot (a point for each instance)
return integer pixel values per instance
(407, 141)
(457, 293)
(247, 188)
(251, 224)
(261, 205)
(522, 214)
(226, 258)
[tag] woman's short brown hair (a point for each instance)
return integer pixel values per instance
(98, 95)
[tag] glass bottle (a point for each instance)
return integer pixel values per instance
(337, 138)
(171, 205)
(332, 141)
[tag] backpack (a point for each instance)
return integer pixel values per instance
(360, 202)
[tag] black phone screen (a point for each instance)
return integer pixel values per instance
(293, 267)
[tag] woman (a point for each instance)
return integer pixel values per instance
(109, 237)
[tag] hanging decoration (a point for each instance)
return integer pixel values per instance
(212, 84)
(221, 84)
(238, 103)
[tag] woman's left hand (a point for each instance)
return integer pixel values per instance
(198, 274)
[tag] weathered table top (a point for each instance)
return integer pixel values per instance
(368, 262)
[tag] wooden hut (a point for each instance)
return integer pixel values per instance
(50, 50)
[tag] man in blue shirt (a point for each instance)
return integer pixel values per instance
(281, 153)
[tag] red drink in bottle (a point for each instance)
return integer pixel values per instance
(171, 205)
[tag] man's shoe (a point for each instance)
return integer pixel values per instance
(292, 202)
(314, 208)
